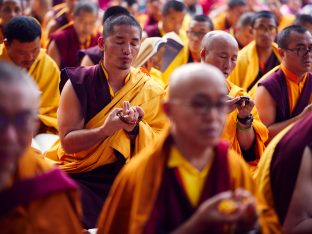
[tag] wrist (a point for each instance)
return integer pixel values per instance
(246, 121)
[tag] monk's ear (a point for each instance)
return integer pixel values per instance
(281, 52)
(101, 43)
(6, 43)
(203, 54)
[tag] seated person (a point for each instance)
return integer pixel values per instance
(304, 21)
(177, 184)
(36, 198)
(243, 31)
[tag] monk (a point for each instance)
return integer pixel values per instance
(304, 20)
(285, 96)
(115, 107)
(227, 19)
(284, 175)
(283, 20)
(22, 47)
(244, 130)
(36, 198)
(260, 56)
(178, 184)
(65, 44)
(197, 29)
(243, 32)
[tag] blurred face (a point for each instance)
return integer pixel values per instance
(172, 22)
(85, 24)
(154, 8)
(235, 13)
(10, 9)
(297, 58)
(121, 47)
(244, 35)
(222, 54)
(198, 116)
(70, 4)
(23, 54)
(265, 31)
(196, 31)
(17, 123)
(294, 5)
(274, 6)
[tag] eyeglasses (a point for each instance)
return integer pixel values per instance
(263, 29)
(21, 121)
(196, 34)
(202, 107)
(301, 51)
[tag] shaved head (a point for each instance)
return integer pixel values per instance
(217, 36)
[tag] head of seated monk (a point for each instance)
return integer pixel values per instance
(153, 7)
(70, 4)
(197, 29)
(114, 10)
(121, 41)
(235, 9)
(172, 15)
(8, 10)
(220, 49)
(243, 29)
(22, 40)
(264, 26)
(196, 105)
(85, 16)
(19, 100)
(295, 48)
(304, 20)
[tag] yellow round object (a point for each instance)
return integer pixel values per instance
(227, 207)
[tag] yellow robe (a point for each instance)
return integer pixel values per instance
(286, 21)
(261, 132)
(57, 213)
(141, 90)
(134, 192)
(46, 74)
(219, 21)
(247, 66)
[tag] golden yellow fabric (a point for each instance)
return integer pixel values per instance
(219, 21)
(294, 88)
(193, 179)
(286, 21)
(140, 90)
(247, 65)
(134, 192)
(46, 74)
(230, 134)
(39, 216)
(156, 75)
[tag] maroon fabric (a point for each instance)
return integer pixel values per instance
(286, 161)
(25, 191)
(62, 19)
(150, 21)
(173, 208)
(68, 46)
(153, 31)
(91, 88)
(94, 53)
(276, 85)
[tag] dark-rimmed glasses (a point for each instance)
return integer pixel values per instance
(196, 34)
(301, 51)
(263, 29)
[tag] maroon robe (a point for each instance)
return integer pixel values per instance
(173, 208)
(285, 164)
(153, 31)
(94, 53)
(276, 85)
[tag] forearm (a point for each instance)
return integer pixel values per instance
(245, 137)
(303, 227)
(190, 226)
(275, 128)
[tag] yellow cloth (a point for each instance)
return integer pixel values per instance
(247, 66)
(46, 74)
(193, 179)
(230, 134)
(219, 21)
(141, 91)
(135, 190)
(286, 21)
(156, 75)
(294, 88)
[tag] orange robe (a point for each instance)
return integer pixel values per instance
(57, 212)
(261, 132)
(134, 193)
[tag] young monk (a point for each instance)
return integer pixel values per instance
(36, 198)
(178, 184)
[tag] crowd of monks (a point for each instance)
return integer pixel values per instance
(211, 136)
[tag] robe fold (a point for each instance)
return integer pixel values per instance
(40, 199)
(247, 72)
(46, 74)
(94, 53)
(261, 132)
(135, 193)
(277, 87)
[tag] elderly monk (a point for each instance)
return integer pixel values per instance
(177, 185)
(259, 56)
(285, 96)
(243, 130)
(22, 47)
(284, 176)
(106, 103)
(35, 197)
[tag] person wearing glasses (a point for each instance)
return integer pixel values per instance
(259, 56)
(244, 130)
(180, 183)
(285, 96)
(198, 27)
